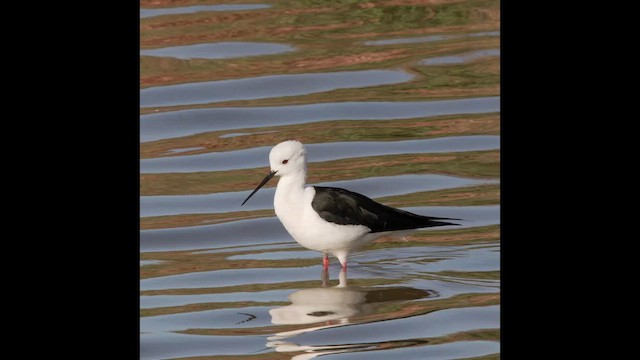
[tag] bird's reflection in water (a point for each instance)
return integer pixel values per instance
(327, 307)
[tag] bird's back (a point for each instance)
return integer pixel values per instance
(344, 207)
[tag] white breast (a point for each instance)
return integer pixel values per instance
(310, 230)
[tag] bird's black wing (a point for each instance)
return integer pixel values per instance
(345, 207)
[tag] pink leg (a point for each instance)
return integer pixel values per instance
(325, 262)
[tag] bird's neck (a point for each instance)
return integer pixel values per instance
(291, 186)
(292, 182)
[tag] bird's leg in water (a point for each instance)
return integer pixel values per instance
(325, 277)
(325, 262)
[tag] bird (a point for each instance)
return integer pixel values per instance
(331, 220)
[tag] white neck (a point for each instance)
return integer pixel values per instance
(292, 182)
(290, 188)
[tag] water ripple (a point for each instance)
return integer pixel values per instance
(461, 58)
(193, 121)
(373, 187)
(266, 87)
(145, 13)
(430, 38)
(258, 156)
(221, 50)
(270, 230)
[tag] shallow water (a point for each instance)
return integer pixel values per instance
(146, 12)
(429, 38)
(190, 122)
(398, 100)
(254, 157)
(461, 58)
(220, 50)
(266, 87)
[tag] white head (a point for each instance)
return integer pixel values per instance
(288, 157)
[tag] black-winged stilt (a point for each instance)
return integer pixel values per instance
(331, 220)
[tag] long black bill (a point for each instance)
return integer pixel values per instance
(264, 181)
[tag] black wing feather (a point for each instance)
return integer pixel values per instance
(346, 207)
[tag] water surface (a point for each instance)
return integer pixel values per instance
(145, 13)
(397, 100)
(462, 58)
(255, 157)
(266, 87)
(373, 187)
(194, 121)
(430, 38)
(218, 50)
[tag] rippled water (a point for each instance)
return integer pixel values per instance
(396, 99)
(218, 50)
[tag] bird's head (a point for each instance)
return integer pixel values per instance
(288, 157)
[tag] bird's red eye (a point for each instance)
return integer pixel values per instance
(285, 161)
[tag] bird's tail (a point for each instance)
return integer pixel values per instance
(442, 223)
(431, 221)
(441, 218)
